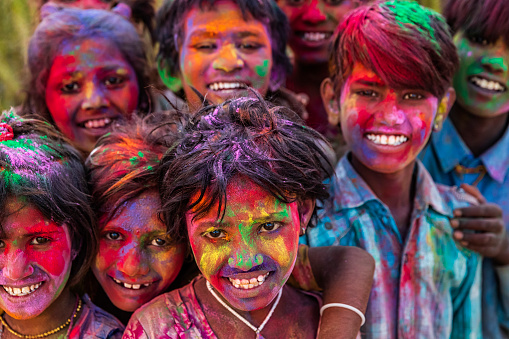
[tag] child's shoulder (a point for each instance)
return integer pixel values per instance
(456, 197)
(97, 323)
(175, 314)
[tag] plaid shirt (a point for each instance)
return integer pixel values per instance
(425, 286)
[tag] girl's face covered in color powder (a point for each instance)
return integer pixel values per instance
(90, 85)
(386, 128)
(84, 4)
(35, 261)
(249, 254)
(313, 23)
(136, 261)
(222, 54)
(482, 80)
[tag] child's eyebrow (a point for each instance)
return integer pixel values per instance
(227, 221)
(372, 83)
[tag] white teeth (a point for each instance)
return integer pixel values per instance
(20, 292)
(391, 140)
(315, 36)
(216, 86)
(98, 123)
(248, 284)
(488, 84)
(130, 286)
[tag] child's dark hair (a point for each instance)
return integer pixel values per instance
(38, 165)
(241, 137)
(170, 27)
(486, 19)
(407, 45)
(75, 25)
(124, 163)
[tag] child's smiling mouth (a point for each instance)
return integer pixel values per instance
(249, 283)
(386, 139)
(487, 84)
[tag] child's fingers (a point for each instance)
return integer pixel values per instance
(478, 239)
(472, 190)
(481, 225)
(487, 210)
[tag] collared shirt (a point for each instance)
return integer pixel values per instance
(447, 150)
(425, 286)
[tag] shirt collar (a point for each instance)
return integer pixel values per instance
(496, 159)
(351, 191)
(451, 149)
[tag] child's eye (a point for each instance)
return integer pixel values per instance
(479, 40)
(333, 2)
(2, 244)
(113, 236)
(215, 234)
(39, 241)
(413, 96)
(249, 45)
(158, 242)
(205, 46)
(113, 81)
(270, 226)
(367, 93)
(70, 87)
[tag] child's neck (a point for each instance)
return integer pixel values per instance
(395, 190)
(478, 133)
(295, 313)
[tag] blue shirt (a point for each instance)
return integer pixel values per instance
(425, 286)
(447, 150)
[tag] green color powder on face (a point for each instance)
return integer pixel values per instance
(262, 70)
(141, 154)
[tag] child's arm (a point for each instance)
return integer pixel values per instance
(489, 237)
(345, 274)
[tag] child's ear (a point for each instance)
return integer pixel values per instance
(330, 102)
(444, 108)
(306, 209)
(170, 80)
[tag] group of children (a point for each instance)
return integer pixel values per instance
(186, 223)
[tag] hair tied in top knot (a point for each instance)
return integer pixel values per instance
(6, 132)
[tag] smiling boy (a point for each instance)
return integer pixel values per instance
(473, 146)
(392, 64)
(221, 47)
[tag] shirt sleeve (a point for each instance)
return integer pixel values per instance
(134, 330)
(302, 275)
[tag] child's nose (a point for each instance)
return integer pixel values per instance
(228, 59)
(245, 260)
(495, 63)
(94, 97)
(313, 13)
(17, 266)
(132, 263)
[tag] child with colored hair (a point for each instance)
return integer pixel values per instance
(88, 70)
(393, 63)
(137, 260)
(47, 236)
(240, 186)
(473, 146)
(220, 48)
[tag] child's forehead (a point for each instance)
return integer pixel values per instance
(223, 16)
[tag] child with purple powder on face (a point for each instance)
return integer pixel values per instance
(473, 146)
(47, 237)
(240, 186)
(393, 64)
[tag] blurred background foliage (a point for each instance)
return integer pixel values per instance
(17, 22)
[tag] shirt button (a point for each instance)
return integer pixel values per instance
(328, 225)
